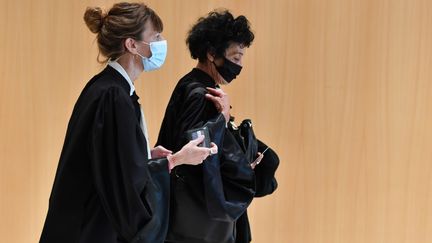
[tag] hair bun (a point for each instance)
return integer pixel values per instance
(94, 19)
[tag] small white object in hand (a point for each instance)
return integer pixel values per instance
(212, 151)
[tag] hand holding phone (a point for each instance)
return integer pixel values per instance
(195, 133)
(258, 160)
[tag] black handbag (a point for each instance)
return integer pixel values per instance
(265, 182)
(245, 137)
(211, 218)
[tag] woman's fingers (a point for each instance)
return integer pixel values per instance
(221, 101)
(197, 141)
(162, 149)
(192, 154)
(216, 92)
(257, 160)
(213, 148)
(213, 98)
(217, 101)
(159, 152)
(199, 154)
(260, 157)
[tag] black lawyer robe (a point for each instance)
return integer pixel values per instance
(207, 199)
(106, 189)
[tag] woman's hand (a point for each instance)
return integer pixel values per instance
(257, 160)
(159, 152)
(191, 154)
(220, 100)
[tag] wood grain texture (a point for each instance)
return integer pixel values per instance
(341, 89)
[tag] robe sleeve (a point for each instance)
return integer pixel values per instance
(227, 177)
(122, 173)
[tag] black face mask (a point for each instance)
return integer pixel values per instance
(229, 70)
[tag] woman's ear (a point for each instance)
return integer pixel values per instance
(130, 46)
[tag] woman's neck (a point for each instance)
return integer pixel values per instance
(208, 68)
(131, 66)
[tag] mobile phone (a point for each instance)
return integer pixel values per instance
(195, 133)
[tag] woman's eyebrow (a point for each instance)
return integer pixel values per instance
(237, 52)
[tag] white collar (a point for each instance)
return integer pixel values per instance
(122, 71)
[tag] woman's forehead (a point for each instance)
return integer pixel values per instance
(235, 48)
(149, 29)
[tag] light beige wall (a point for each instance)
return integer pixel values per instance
(341, 89)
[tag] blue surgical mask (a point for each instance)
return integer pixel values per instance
(158, 54)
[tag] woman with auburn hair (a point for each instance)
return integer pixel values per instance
(110, 186)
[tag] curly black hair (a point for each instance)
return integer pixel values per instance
(215, 32)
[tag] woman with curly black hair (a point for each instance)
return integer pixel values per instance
(207, 200)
